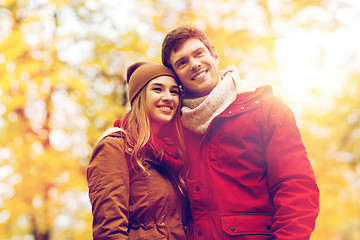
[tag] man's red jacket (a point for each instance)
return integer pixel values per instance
(250, 177)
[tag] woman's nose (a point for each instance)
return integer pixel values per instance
(166, 96)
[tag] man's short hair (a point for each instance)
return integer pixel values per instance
(175, 39)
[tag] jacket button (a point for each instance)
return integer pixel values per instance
(197, 188)
(242, 108)
(268, 227)
(256, 102)
(229, 112)
(232, 228)
(200, 233)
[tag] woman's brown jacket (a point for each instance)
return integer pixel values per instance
(129, 204)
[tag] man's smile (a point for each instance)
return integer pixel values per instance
(199, 75)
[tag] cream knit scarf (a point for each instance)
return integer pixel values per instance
(197, 113)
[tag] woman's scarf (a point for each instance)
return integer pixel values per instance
(167, 154)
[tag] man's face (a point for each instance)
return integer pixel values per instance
(195, 67)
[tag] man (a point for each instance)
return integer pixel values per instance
(249, 174)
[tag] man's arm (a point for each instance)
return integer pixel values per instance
(290, 175)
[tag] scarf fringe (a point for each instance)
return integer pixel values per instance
(197, 113)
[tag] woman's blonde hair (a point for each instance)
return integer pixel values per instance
(137, 127)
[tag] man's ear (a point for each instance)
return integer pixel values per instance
(216, 56)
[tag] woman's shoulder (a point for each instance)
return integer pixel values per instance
(113, 138)
(113, 132)
(108, 155)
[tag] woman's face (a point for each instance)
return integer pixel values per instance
(162, 100)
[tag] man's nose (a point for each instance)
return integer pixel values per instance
(195, 64)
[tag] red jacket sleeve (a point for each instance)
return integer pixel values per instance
(290, 175)
(108, 181)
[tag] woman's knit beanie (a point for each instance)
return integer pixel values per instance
(140, 73)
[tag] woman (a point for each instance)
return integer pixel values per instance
(135, 172)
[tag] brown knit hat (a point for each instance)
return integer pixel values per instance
(140, 73)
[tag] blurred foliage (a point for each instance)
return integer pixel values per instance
(62, 68)
(333, 142)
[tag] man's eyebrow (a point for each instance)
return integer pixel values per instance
(199, 48)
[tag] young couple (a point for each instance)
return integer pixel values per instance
(230, 147)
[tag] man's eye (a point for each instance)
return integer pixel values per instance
(182, 63)
(199, 53)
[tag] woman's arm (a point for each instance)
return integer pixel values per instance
(108, 181)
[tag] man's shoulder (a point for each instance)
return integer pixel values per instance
(265, 91)
(262, 97)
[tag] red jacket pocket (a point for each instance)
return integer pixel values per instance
(246, 223)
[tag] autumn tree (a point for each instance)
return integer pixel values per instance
(62, 83)
(51, 116)
(332, 137)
